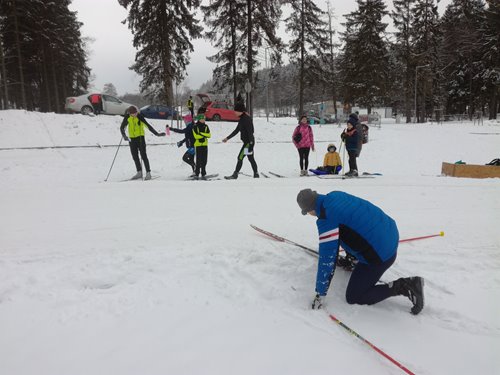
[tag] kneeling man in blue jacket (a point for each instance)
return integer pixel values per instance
(366, 233)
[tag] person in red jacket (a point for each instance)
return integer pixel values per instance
(96, 101)
(303, 139)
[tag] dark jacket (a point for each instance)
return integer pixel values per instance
(351, 138)
(188, 131)
(245, 128)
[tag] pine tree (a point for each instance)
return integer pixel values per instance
(426, 36)
(223, 17)
(364, 62)
(162, 31)
(44, 58)
(109, 89)
(402, 17)
(462, 50)
(309, 44)
(491, 56)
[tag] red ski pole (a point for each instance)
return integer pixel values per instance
(379, 351)
(441, 234)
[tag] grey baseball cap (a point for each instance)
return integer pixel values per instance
(306, 200)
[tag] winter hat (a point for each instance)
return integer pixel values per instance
(306, 200)
(331, 145)
(240, 107)
(352, 121)
(132, 109)
(201, 116)
(188, 118)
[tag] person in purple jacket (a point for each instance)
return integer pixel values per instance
(303, 139)
(366, 233)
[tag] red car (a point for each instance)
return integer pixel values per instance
(216, 110)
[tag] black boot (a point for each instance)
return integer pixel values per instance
(256, 175)
(413, 288)
(234, 176)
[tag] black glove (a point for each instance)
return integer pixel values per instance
(348, 262)
(125, 138)
(180, 143)
(161, 134)
(202, 140)
(317, 302)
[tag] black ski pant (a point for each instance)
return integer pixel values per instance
(246, 150)
(188, 158)
(138, 145)
(353, 165)
(362, 288)
(201, 160)
(304, 158)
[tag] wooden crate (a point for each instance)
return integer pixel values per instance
(470, 170)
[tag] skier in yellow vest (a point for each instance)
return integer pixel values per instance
(136, 124)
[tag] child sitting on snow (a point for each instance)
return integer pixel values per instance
(331, 164)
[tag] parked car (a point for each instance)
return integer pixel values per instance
(110, 104)
(158, 112)
(216, 110)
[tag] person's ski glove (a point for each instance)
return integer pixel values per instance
(180, 143)
(201, 140)
(317, 302)
(161, 134)
(125, 138)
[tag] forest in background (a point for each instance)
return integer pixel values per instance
(429, 65)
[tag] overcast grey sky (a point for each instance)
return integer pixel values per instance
(112, 52)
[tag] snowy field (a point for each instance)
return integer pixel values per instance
(167, 277)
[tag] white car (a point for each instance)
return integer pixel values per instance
(110, 104)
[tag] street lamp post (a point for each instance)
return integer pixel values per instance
(267, 88)
(416, 74)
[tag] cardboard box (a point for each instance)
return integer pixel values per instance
(470, 170)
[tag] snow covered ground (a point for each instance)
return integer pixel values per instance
(167, 277)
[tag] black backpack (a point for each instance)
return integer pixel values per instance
(297, 137)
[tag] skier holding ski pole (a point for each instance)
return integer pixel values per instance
(136, 124)
(365, 232)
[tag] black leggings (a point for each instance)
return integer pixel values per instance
(249, 153)
(189, 159)
(138, 145)
(201, 160)
(304, 157)
(353, 166)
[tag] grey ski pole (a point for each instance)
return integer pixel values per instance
(121, 139)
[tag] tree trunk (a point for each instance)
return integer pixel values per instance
(233, 51)
(302, 56)
(46, 80)
(19, 56)
(4, 78)
(56, 87)
(249, 57)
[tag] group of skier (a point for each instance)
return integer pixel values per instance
(196, 140)
(352, 136)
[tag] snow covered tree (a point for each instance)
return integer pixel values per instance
(491, 57)
(462, 50)
(309, 43)
(365, 61)
(43, 52)
(402, 17)
(109, 89)
(426, 36)
(163, 30)
(223, 18)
